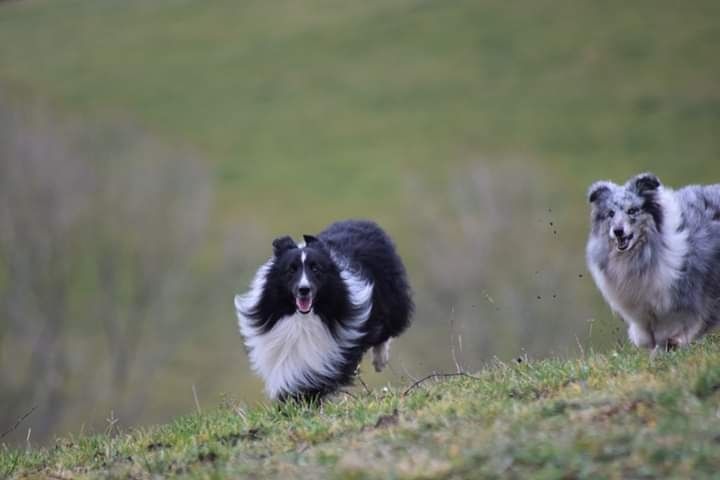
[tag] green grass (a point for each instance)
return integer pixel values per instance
(614, 415)
(378, 109)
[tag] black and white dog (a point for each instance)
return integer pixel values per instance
(654, 253)
(314, 309)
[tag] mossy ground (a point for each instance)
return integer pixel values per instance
(615, 415)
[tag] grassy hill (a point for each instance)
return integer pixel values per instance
(457, 125)
(616, 415)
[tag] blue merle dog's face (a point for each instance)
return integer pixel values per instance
(626, 214)
(303, 270)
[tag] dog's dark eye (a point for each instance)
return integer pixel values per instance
(633, 211)
(292, 268)
(315, 268)
(611, 213)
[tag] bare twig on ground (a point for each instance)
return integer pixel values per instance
(348, 394)
(437, 375)
(362, 382)
(18, 422)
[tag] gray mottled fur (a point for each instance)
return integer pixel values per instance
(656, 260)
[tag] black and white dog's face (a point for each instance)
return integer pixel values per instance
(626, 214)
(304, 270)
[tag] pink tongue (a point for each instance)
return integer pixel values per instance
(304, 304)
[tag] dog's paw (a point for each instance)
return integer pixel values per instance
(640, 336)
(379, 363)
(381, 356)
(655, 353)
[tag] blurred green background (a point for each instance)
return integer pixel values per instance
(151, 151)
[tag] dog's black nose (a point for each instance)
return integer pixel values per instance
(619, 232)
(304, 291)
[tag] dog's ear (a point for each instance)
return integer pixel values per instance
(599, 191)
(282, 245)
(309, 240)
(644, 183)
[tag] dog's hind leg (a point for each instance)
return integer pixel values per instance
(381, 355)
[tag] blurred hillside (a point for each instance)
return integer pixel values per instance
(150, 151)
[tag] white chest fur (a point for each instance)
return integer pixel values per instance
(297, 349)
(642, 297)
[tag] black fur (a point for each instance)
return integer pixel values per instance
(651, 206)
(646, 182)
(372, 253)
(597, 192)
(282, 245)
(360, 247)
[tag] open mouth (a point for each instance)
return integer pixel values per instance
(623, 243)
(304, 304)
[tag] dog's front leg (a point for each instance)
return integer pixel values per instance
(381, 355)
(641, 336)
